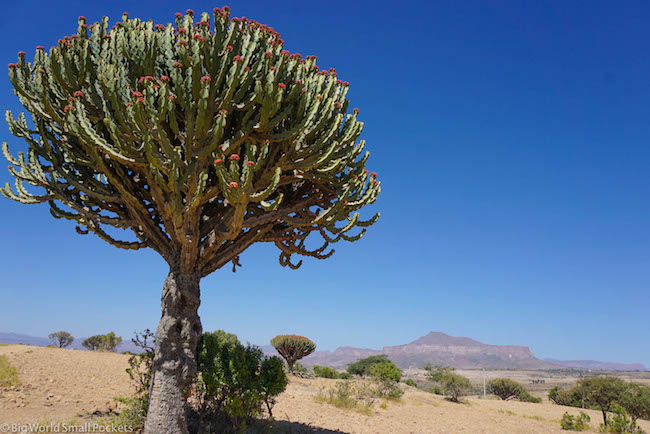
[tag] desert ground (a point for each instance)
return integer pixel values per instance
(63, 385)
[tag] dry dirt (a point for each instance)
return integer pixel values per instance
(58, 385)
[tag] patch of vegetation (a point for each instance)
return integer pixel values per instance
(620, 423)
(362, 366)
(570, 422)
(325, 372)
(387, 376)
(410, 382)
(107, 342)
(235, 383)
(8, 374)
(349, 396)
(451, 384)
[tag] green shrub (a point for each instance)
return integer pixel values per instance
(362, 366)
(8, 374)
(566, 397)
(293, 348)
(93, 343)
(345, 376)
(505, 388)
(455, 385)
(436, 390)
(410, 382)
(636, 401)
(234, 382)
(620, 423)
(61, 339)
(325, 372)
(575, 423)
(387, 376)
(526, 396)
(299, 368)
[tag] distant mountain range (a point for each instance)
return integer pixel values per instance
(459, 352)
(435, 348)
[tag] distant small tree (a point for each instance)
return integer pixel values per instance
(570, 422)
(362, 366)
(93, 343)
(273, 381)
(505, 388)
(452, 384)
(636, 401)
(602, 392)
(325, 372)
(387, 376)
(110, 341)
(61, 339)
(293, 348)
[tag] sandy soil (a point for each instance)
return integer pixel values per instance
(57, 385)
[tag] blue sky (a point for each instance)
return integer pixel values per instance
(511, 139)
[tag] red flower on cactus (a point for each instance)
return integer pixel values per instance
(68, 108)
(285, 53)
(140, 100)
(268, 54)
(346, 83)
(129, 104)
(237, 59)
(178, 15)
(374, 181)
(323, 72)
(205, 79)
(177, 64)
(338, 104)
(182, 31)
(226, 8)
(165, 79)
(246, 68)
(229, 48)
(41, 70)
(159, 27)
(223, 112)
(235, 20)
(282, 85)
(272, 68)
(202, 24)
(107, 36)
(218, 160)
(234, 157)
(21, 53)
(189, 12)
(172, 97)
(303, 90)
(40, 47)
(373, 174)
(183, 43)
(298, 82)
(250, 163)
(78, 94)
(82, 18)
(12, 65)
(356, 111)
(233, 185)
(136, 94)
(316, 68)
(198, 37)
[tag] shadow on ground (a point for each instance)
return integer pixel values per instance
(283, 426)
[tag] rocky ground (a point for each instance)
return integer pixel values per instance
(60, 385)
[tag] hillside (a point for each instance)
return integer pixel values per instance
(58, 385)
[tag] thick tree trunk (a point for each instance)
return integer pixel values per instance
(174, 365)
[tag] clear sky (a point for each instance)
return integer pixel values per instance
(512, 142)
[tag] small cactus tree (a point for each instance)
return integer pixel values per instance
(293, 348)
(61, 339)
(196, 139)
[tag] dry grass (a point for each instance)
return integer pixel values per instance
(8, 374)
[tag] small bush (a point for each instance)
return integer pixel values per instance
(570, 397)
(436, 390)
(362, 366)
(505, 388)
(450, 384)
(325, 372)
(345, 376)
(299, 368)
(8, 374)
(636, 401)
(620, 423)
(575, 423)
(234, 383)
(410, 382)
(386, 375)
(350, 396)
(61, 339)
(526, 396)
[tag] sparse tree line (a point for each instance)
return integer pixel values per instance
(107, 342)
(620, 402)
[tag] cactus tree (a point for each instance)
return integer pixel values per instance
(293, 348)
(196, 139)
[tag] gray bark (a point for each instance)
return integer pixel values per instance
(174, 366)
